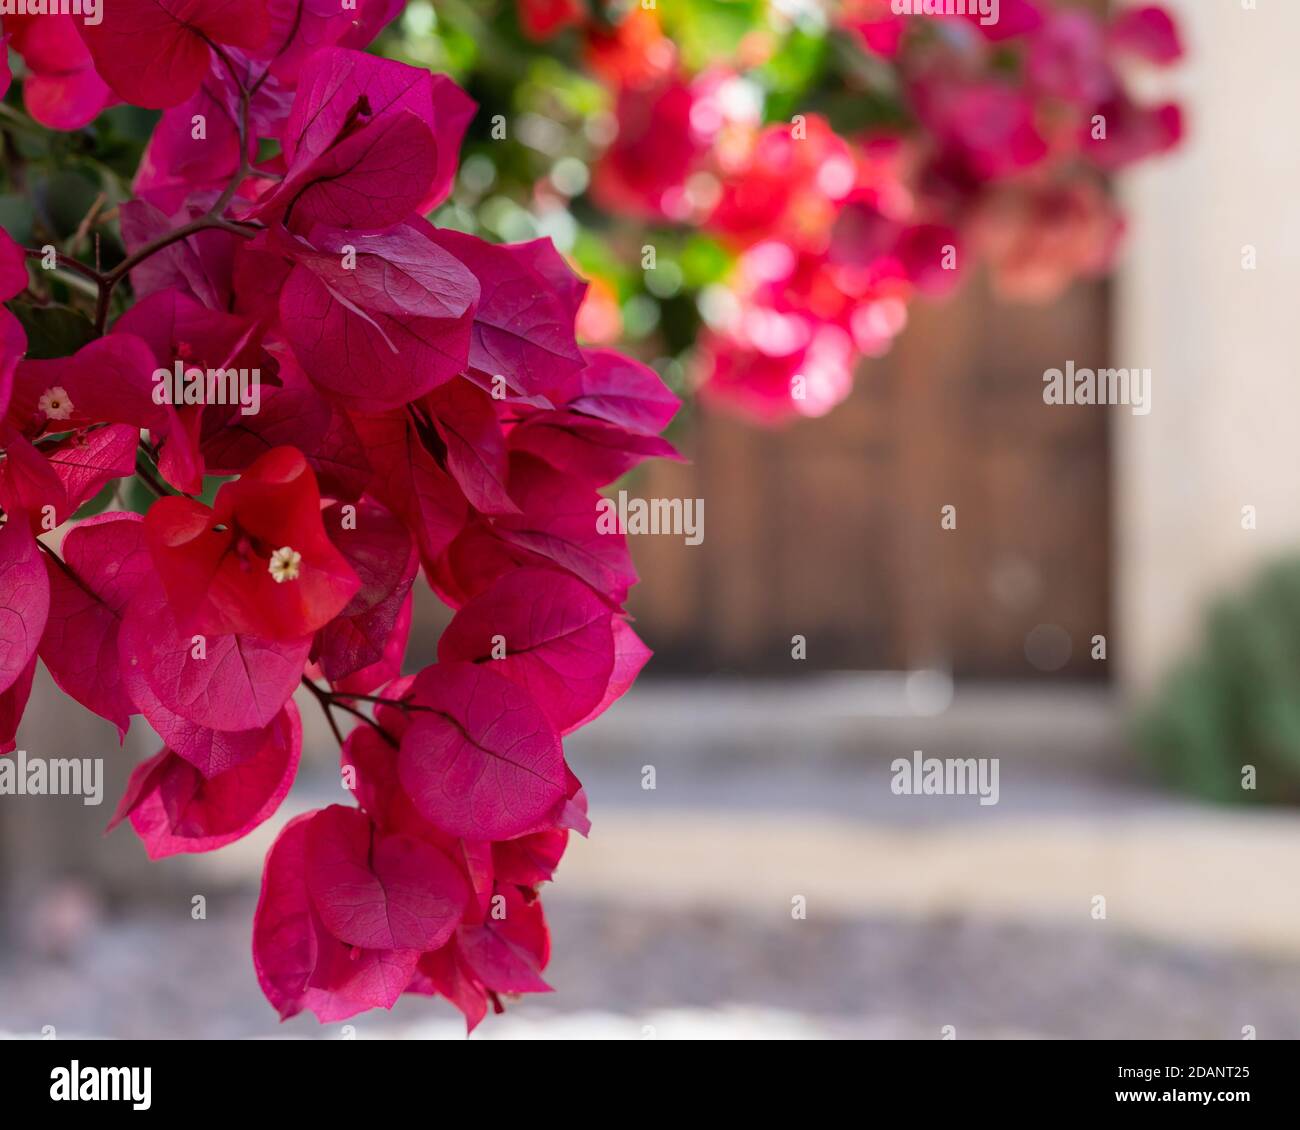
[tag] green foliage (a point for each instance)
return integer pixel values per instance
(1236, 702)
(53, 331)
(62, 189)
(705, 29)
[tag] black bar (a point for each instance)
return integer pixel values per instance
(338, 1078)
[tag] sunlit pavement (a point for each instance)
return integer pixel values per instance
(771, 885)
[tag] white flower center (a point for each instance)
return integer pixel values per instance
(55, 404)
(285, 564)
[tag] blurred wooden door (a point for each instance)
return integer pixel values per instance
(830, 529)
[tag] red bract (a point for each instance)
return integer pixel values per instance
(258, 562)
(834, 235)
(301, 28)
(106, 382)
(13, 342)
(621, 391)
(507, 953)
(174, 808)
(465, 419)
(62, 90)
(368, 142)
(1147, 32)
(549, 633)
(24, 600)
(377, 321)
(542, 19)
(382, 553)
(479, 759)
(556, 524)
(380, 892)
(200, 265)
(422, 405)
(228, 682)
(195, 147)
(523, 323)
(644, 172)
(787, 185)
(410, 480)
(293, 413)
(13, 270)
(299, 963)
(104, 564)
(155, 53)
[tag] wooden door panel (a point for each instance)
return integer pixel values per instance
(831, 528)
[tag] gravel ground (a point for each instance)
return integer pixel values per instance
(620, 973)
(674, 920)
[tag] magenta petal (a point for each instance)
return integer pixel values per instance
(381, 552)
(12, 704)
(154, 53)
(85, 464)
(299, 964)
(558, 523)
(370, 179)
(556, 635)
(105, 564)
(24, 599)
(591, 450)
(410, 482)
(174, 809)
(480, 759)
(630, 655)
(523, 326)
(301, 28)
(13, 267)
(13, 344)
(622, 391)
(385, 331)
(508, 954)
(1148, 32)
(378, 891)
(226, 683)
(467, 422)
(66, 101)
(211, 752)
(200, 266)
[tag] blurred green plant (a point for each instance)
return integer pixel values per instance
(1235, 703)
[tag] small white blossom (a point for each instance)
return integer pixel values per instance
(55, 404)
(285, 563)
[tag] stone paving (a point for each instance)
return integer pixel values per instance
(675, 918)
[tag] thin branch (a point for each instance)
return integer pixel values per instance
(115, 276)
(400, 704)
(213, 218)
(146, 475)
(69, 264)
(324, 701)
(88, 221)
(63, 565)
(329, 700)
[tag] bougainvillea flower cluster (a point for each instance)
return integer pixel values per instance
(998, 140)
(425, 416)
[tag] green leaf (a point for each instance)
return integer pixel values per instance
(101, 502)
(704, 261)
(64, 200)
(137, 497)
(17, 217)
(709, 30)
(53, 331)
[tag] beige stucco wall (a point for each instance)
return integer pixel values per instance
(1222, 342)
